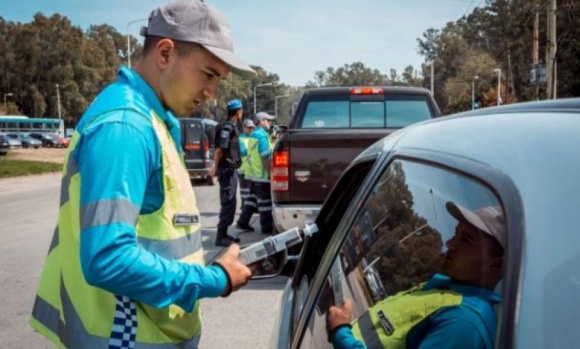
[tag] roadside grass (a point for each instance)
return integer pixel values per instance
(10, 167)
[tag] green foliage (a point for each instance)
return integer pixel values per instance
(500, 35)
(405, 259)
(36, 56)
(12, 168)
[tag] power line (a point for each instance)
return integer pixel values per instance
(468, 7)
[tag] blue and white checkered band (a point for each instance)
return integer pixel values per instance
(125, 324)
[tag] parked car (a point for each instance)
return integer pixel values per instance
(390, 211)
(27, 141)
(46, 139)
(59, 141)
(13, 140)
(4, 145)
(197, 142)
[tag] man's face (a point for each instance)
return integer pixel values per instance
(265, 123)
(189, 79)
(469, 258)
(248, 130)
(239, 114)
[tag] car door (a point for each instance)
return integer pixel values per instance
(393, 236)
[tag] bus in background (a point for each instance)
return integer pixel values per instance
(24, 124)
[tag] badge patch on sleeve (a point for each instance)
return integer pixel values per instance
(387, 325)
(185, 219)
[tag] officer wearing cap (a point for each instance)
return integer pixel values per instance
(249, 205)
(259, 157)
(226, 161)
(454, 309)
(125, 268)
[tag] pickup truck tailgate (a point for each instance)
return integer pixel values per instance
(317, 162)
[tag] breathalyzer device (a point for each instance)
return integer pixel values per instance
(336, 277)
(274, 244)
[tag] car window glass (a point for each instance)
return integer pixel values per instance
(326, 114)
(407, 110)
(405, 236)
(368, 114)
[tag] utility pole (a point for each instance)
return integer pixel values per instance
(551, 67)
(60, 125)
(432, 78)
(511, 79)
(535, 51)
(498, 71)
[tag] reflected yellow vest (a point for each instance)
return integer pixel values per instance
(74, 314)
(387, 323)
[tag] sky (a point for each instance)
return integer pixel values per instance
(291, 38)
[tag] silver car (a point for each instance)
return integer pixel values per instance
(389, 224)
(13, 141)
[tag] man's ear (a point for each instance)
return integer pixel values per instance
(166, 51)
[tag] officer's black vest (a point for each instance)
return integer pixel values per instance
(232, 157)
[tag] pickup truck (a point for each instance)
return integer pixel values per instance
(329, 128)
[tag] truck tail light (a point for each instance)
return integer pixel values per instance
(280, 171)
(366, 90)
(192, 146)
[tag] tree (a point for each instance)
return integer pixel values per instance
(36, 56)
(355, 74)
(503, 30)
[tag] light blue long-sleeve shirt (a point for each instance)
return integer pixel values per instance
(119, 160)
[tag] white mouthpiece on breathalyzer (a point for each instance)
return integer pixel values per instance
(310, 229)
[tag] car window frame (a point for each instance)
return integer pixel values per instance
(497, 181)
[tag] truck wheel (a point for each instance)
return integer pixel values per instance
(210, 180)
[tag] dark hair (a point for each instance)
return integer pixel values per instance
(232, 112)
(183, 48)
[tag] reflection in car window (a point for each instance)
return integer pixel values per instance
(426, 238)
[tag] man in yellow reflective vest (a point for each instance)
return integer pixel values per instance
(125, 268)
(451, 310)
(259, 157)
(249, 205)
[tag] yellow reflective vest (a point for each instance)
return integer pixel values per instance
(244, 140)
(255, 170)
(74, 314)
(387, 323)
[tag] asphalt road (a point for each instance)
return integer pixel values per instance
(28, 212)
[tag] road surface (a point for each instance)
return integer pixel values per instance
(28, 213)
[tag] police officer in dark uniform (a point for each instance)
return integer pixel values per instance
(226, 161)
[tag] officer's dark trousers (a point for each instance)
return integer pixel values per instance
(264, 201)
(228, 181)
(249, 205)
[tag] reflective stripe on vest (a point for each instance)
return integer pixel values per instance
(387, 323)
(74, 314)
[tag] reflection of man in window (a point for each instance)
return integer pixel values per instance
(451, 310)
